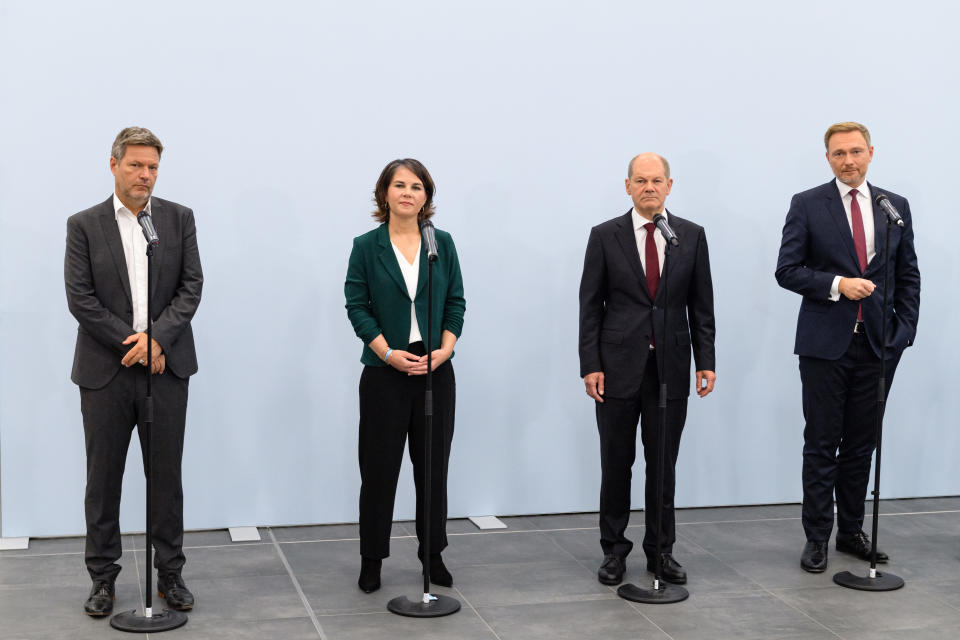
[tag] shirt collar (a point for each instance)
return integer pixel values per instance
(119, 207)
(863, 189)
(639, 220)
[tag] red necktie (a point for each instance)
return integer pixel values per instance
(653, 260)
(859, 239)
(653, 265)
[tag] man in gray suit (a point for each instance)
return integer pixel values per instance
(105, 272)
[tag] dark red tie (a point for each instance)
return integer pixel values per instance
(653, 265)
(653, 260)
(859, 239)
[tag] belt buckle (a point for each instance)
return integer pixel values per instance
(858, 327)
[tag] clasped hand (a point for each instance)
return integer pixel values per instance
(414, 365)
(138, 353)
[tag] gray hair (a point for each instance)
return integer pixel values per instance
(134, 136)
(666, 165)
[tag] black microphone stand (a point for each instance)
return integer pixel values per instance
(877, 580)
(659, 592)
(166, 620)
(429, 605)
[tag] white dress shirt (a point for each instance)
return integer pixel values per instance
(641, 234)
(411, 274)
(866, 211)
(135, 252)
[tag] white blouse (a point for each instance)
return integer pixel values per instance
(411, 273)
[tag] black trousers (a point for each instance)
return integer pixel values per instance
(840, 409)
(109, 416)
(391, 409)
(617, 422)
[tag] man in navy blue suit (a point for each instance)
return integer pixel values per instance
(832, 254)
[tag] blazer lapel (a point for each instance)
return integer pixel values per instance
(628, 243)
(160, 223)
(389, 260)
(111, 232)
(422, 273)
(835, 208)
(880, 226)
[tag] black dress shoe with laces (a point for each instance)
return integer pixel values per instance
(670, 569)
(100, 601)
(814, 557)
(170, 587)
(858, 544)
(369, 574)
(611, 571)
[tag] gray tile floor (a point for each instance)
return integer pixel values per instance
(536, 579)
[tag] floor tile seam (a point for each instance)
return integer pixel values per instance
(764, 589)
(802, 612)
(477, 613)
(296, 585)
(612, 590)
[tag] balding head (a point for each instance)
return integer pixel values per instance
(649, 156)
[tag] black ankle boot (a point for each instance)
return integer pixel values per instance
(369, 574)
(438, 572)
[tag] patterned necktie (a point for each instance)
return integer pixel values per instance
(859, 239)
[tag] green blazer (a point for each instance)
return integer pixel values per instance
(377, 298)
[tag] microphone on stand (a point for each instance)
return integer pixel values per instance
(149, 231)
(427, 232)
(892, 214)
(665, 229)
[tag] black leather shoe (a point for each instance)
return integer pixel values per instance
(100, 601)
(369, 574)
(439, 574)
(858, 544)
(670, 569)
(170, 587)
(611, 571)
(814, 557)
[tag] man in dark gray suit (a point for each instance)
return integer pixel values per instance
(626, 345)
(106, 282)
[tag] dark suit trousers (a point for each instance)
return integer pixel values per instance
(840, 409)
(617, 422)
(391, 408)
(109, 416)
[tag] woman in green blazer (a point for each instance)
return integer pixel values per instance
(386, 292)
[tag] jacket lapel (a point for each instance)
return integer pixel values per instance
(111, 233)
(389, 260)
(422, 273)
(880, 226)
(160, 223)
(839, 216)
(628, 243)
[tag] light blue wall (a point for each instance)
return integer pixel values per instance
(278, 118)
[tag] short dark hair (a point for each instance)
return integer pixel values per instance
(382, 213)
(134, 136)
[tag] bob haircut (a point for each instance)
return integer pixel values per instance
(382, 213)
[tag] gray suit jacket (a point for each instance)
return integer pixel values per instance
(98, 290)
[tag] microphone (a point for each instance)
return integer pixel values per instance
(893, 216)
(665, 229)
(427, 232)
(149, 232)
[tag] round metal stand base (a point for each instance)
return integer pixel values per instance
(138, 623)
(666, 594)
(442, 606)
(883, 581)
